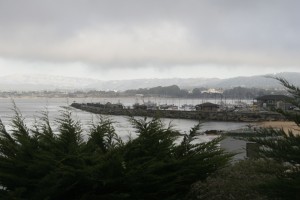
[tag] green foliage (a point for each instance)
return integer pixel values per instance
(243, 180)
(284, 148)
(274, 174)
(39, 163)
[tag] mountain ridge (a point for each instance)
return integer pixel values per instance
(19, 82)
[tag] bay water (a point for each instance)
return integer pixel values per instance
(31, 109)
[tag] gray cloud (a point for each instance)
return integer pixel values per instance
(144, 33)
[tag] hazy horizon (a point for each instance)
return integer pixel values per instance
(16, 75)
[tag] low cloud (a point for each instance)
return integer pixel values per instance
(154, 36)
(116, 45)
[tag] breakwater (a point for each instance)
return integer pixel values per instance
(179, 114)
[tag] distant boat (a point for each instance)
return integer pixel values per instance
(168, 107)
(187, 107)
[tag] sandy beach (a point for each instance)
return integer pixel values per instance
(286, 125)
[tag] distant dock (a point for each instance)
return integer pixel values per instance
(249, 116)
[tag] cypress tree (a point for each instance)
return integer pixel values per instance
(283, 147)
(160, 163)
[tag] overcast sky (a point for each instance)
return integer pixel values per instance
(127, 39)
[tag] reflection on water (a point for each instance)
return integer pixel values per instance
(31, 108)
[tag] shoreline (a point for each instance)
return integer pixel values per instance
(285, 125)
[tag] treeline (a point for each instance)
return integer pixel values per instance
(249, 93)
(168, 91)
(175, 91)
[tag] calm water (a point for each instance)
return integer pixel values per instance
(31, 108)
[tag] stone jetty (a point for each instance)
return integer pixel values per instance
(249, 116)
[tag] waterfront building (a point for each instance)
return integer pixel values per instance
(272, 102)
(207, 107)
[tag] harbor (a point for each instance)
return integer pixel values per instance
(202, 112)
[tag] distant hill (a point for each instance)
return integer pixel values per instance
(148, 83)
(20, 82)
(259, 81)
